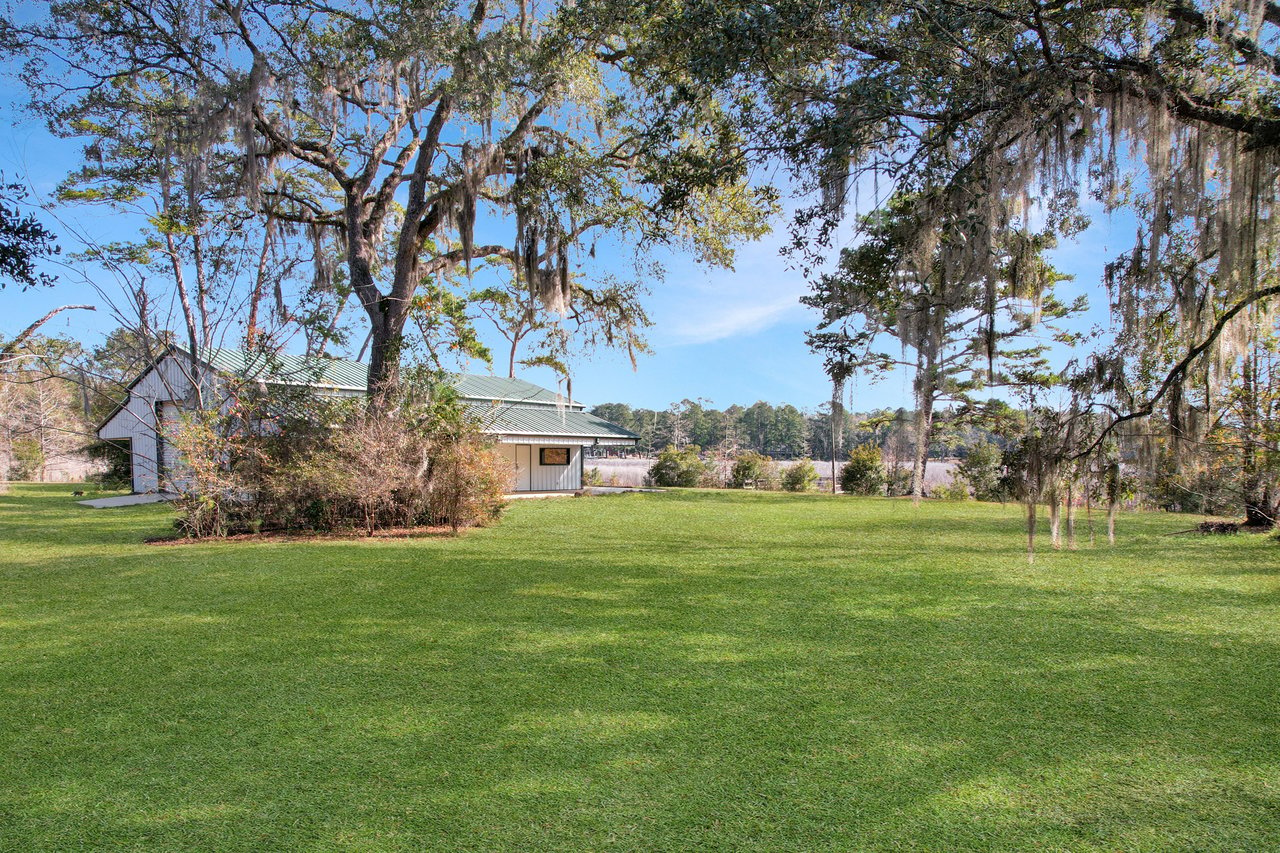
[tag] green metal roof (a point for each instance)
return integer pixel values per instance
(471, 386)
(353, 375)
(291, 369)
(546, 420)
(508, 406)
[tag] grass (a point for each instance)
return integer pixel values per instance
(691, 670)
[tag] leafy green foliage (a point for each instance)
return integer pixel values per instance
(863, 473)
(681, 467)
(799, 477)
(982, 468)
(23, 240)
(754, 470)
(390, 134)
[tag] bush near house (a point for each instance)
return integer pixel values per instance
(307, 464)
(753, 469)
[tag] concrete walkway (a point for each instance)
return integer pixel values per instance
(126, 500)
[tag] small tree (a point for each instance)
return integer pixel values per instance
(678, 467)
(863, 474)
(800, 477)
(982, 469)
(751, 469)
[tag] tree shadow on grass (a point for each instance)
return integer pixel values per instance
(538, 711)
(521, 689)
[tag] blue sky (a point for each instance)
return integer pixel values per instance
(725, 336)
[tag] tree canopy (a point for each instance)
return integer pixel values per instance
(1000, 116)
(417, 137)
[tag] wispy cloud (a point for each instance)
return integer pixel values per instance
(704, 305)
(726, 319)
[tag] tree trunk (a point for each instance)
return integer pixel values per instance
(384, 357)
(1113, 485)
(1031, 530)
(188, 318)
(1071, 515)
(259, 285)
(387, 317)
(924, 426)
(1257, 509)
(1055, 518)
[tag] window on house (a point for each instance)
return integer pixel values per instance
(553, 456)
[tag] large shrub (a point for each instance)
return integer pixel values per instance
(983, 469)
(334, 465)
(800, 477)
(681, 467)
(752, 469)
(209, 485)
(864, 473)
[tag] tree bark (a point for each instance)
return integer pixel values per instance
(1257, 510)
(259, 284)
(1031, 530)
(1071, 515)
(924, 427)
(384, 354)
(1055, 517)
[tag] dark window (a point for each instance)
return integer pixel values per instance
(553, 456)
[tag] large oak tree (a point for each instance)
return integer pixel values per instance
(422, 135)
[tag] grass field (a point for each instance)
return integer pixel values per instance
(685, 671)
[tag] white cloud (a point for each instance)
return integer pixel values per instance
(725, 319)
(697, 305)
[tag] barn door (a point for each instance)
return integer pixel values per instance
(166, 455)
(524, 467)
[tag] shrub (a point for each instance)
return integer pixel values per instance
(751, 469)
(468, 483)
(898, 481)
(593, 477)
(336, 465)
(800, 477)
(864, 473)
(956, 490)
(26, 459)
(679, 467)
(210, 491)
(983, 469)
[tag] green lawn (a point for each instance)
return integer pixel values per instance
(696, 671)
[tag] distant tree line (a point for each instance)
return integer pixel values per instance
(788, 432)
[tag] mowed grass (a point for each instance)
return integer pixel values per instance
(684, 671)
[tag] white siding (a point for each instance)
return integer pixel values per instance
(533, 476)
(555, 478)
(167, 381)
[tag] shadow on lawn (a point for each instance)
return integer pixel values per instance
(706, 695)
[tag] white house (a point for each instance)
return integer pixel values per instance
(537, 429)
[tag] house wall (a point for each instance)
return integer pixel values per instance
(167, 381)
(544, 478)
